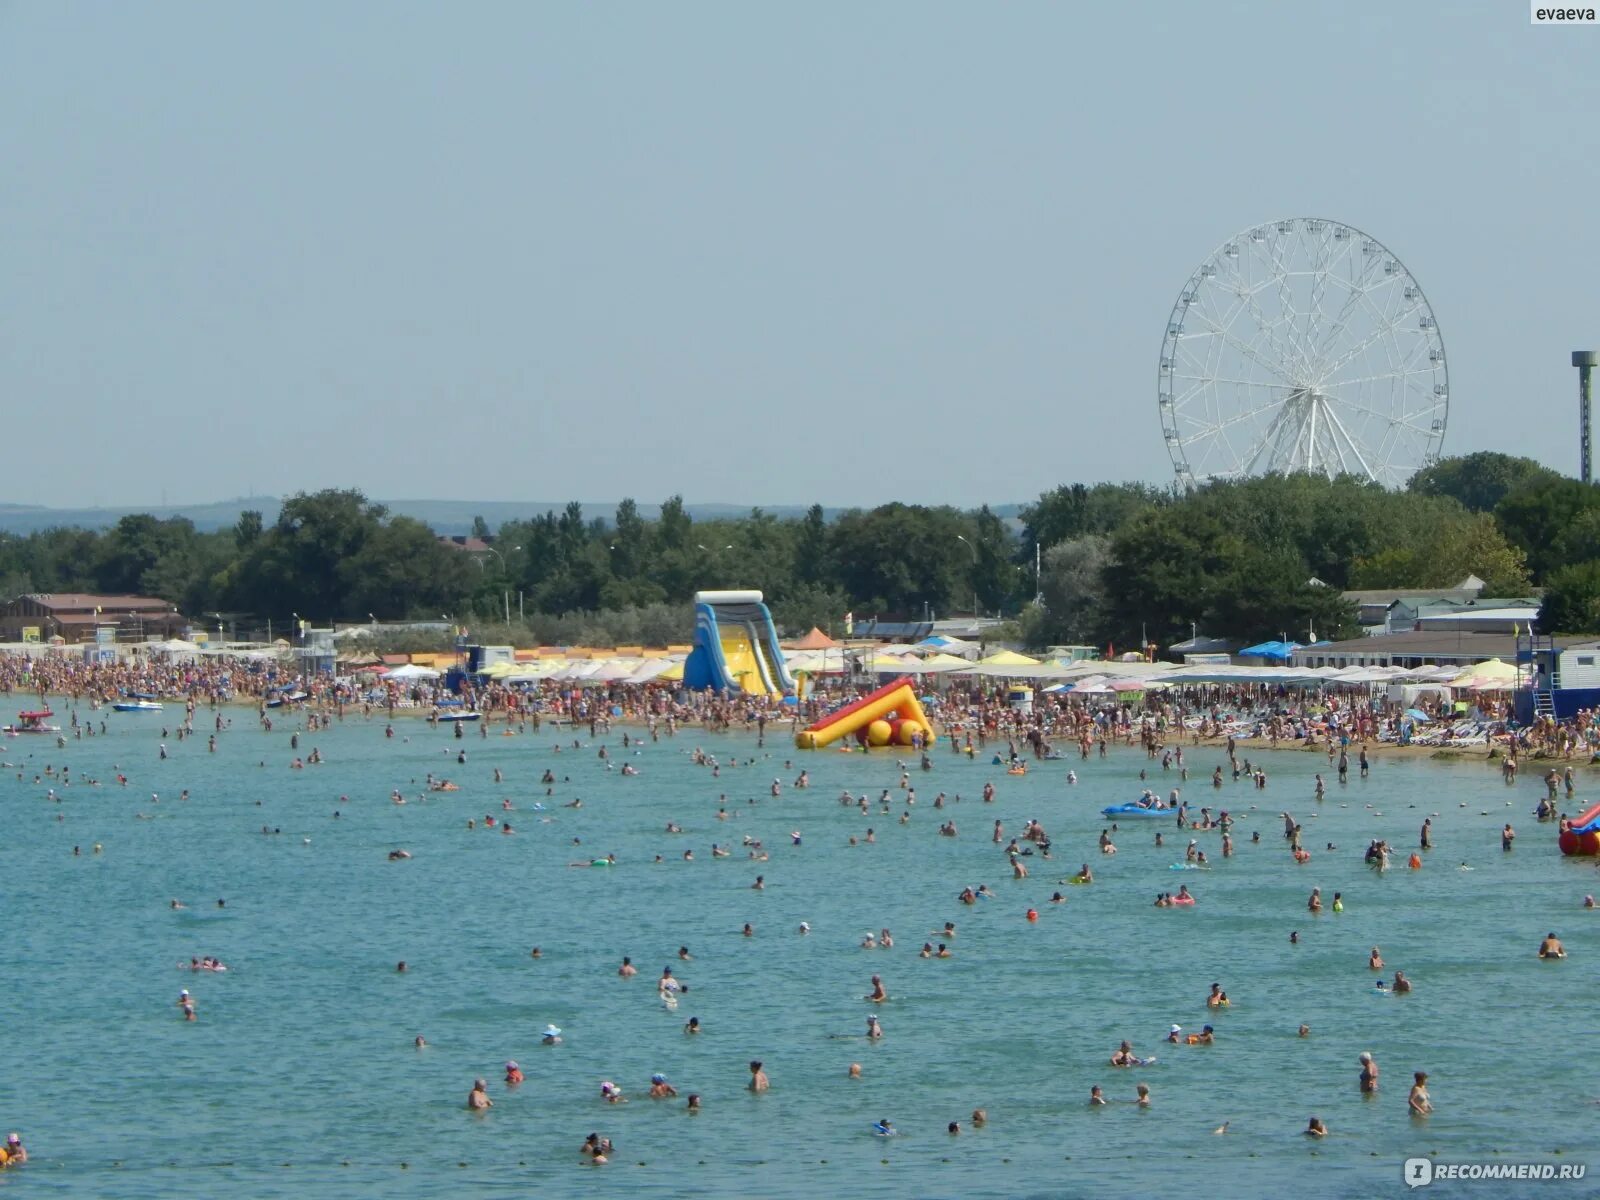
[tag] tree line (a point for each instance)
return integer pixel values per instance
(1116, 562)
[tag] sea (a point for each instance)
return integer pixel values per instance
(301, 1078)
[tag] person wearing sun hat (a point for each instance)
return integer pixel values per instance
(551, 1036)
(1174, 1032)
(660, 1089)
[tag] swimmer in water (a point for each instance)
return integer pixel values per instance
(1551, 947)
(878, 994)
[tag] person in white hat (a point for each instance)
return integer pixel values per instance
(552, 1036)
(1175, 1033)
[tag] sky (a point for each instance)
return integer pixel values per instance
(747, 253)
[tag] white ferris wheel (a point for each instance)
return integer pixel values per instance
(1302, 345)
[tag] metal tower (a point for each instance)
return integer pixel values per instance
(1585, 361)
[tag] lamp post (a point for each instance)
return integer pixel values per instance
(715, 551)
(974, 549)
(505, 593)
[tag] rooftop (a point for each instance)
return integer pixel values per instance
(88, 601)
(1421, 643)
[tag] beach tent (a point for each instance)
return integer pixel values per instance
(950, 645)
(815, 640)
(413, 671)
(940, 663)
(1277, 651)
(650, 670)
(1008, 658)
(1491, 669)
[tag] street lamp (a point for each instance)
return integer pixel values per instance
(974, 550)
(714, 551)
(506, 594)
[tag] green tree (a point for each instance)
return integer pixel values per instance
(811, 565)
(1075, 599)
(296, 566)
(811, 605)
(629, 544)
(1572, 600)
(902, 559)
(1074, 510)
(1538, 516)
(247, 529)
(141, 553)
(996, 579)
(1481, 480)
(1442, 552)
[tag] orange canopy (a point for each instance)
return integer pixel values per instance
(816, 640)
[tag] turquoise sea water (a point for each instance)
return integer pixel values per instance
(300, 1077)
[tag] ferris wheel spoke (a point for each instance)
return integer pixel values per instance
(1286, 303)
(1402, 374)
(1355, 447)
(1242, 418)
(1282, 348)
(1358, 288)
(1243, 348)
(1255, 383)
(1394, 419)
(1319, 284)
(1279, 272)
(1386, 329)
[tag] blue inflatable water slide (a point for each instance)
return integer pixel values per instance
(735, 646)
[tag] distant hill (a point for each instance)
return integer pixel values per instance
(445, 516)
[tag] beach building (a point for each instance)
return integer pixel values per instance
(1412, 649)
(1563, 677)
(1393, 610)
(1509, 615)
(75, 616)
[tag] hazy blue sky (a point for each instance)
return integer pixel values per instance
(754, 253)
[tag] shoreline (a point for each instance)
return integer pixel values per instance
(1377, 749)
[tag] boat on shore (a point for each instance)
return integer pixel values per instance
(139, 704)
(458, 716)
(32, 721)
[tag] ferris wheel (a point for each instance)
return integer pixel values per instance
(1302, 345)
